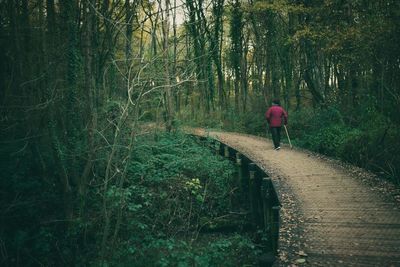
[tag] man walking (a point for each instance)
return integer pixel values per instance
(274, 117)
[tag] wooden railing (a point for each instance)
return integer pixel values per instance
(257, 189)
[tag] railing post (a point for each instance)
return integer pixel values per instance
(237, 192)
(226, 151)
(275, 227)
(252, 171)
(267, 209)
(238, 159)
(240, 175)
(254, 196)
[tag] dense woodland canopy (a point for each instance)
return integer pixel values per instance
(80, 79)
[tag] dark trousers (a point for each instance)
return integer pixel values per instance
(276, 136)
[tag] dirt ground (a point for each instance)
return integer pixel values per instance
(333, 214)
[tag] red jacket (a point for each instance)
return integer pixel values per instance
(274, 116)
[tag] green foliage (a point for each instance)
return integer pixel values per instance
(375, 148)
(174, 186)
(367, 138)
(173, 172)
(211, 251)
(326, 140)
(313, 129)
(254, 122)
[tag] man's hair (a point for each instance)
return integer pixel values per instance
(276, 101)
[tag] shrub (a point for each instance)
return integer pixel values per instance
(327, 140)
(365, 140)
(173, 186)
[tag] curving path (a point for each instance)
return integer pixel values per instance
(331, 215)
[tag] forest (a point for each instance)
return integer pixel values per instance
(95, 165)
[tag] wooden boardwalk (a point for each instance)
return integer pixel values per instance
(340, 220)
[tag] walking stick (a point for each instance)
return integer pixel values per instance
(287, 134)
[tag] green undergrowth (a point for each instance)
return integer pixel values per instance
(366, 139)
(174, 186)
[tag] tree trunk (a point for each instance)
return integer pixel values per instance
(169, 108)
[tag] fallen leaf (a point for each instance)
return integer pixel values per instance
(300, 261)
